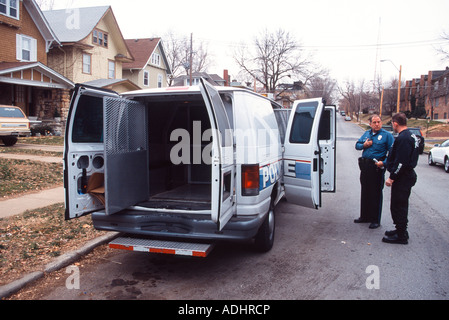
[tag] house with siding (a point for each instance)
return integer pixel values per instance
(92, 47)
(26, 80)
(150, 68)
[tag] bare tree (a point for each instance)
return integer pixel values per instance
(444, 50)
(273, 58)
(321, 85)
(348, 92)
(178, 50)
(46, 4)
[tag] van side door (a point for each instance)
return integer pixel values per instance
(328, 147)
(303, 161)
(223, 166)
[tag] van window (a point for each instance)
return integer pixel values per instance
(302, 122)
(88, 122)
(324, 132)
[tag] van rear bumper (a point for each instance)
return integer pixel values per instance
(178, 225)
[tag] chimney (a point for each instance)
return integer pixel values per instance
(226, 77)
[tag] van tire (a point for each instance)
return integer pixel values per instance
(264, 239)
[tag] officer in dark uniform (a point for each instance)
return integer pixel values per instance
(402, 160)
(375, 144)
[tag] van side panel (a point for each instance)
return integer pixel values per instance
(257, 142)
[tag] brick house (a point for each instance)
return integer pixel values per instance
(430, 91)
(25, 79)
(150, 68)
(93, 49)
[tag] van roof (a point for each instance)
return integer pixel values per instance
(187, 90)
(184, 89)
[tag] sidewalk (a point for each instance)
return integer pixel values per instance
(41, 199)
(30, 157)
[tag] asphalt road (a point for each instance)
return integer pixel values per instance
(318, 254)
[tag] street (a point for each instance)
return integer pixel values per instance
(318, 254)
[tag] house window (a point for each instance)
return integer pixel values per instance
(159, 80)
(87, 63)
(195, 81)
(100, 38)
(111, 69)
(10, 8)
(26, 48)
(146, 78)
(156, 59)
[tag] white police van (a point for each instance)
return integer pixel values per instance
(193, 164)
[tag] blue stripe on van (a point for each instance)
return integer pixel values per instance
(302, 170)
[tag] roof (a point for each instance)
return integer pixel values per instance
(141, 49)
(110, 83)
(42, 24)
(57, 80)
(66, 27)
(213, 79)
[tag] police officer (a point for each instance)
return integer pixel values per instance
(375, 144)
(402, 160)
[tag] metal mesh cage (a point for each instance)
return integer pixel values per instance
(124, 129)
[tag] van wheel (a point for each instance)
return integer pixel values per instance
(265, 236)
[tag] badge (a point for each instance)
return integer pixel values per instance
(379, 138)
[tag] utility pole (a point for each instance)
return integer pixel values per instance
(381, 102)
(191, 58)
(399, 90)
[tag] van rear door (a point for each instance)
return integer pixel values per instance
(126, 153)
(223, 167)
(84, 149)
(105, 145)
(304, 164)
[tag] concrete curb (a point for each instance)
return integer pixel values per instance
(57, 264)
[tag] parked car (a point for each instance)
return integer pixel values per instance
(343, 113)
(348, 118)
(440, 155)
(13, 124)
(418, 133)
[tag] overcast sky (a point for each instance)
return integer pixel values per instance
(343, 36)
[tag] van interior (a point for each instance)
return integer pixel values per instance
(175, 184)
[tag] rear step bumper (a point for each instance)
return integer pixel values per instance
(161, 246)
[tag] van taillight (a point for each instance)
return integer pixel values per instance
(250, 180)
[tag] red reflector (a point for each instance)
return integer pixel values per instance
(250, 180)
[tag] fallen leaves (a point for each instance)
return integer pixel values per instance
(33, 239)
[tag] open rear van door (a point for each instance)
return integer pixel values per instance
(84, 150)
(126, 153)
(223, 167)
(303, 161)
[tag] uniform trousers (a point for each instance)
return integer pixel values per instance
(372, 181)
(400, 194)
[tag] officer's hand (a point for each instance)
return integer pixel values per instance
(389, 182)
(380, 164)
(368, 143)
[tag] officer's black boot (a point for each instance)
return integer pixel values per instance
(393, 232)
(399, 237)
